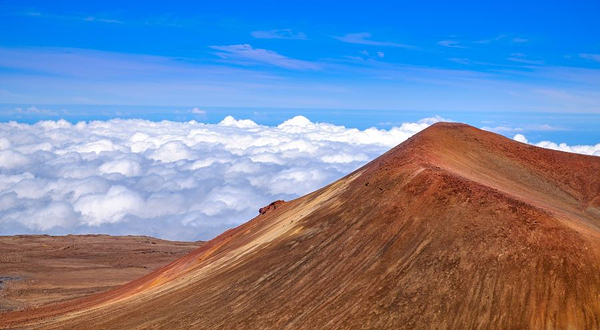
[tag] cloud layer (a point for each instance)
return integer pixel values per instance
(170, 179)
(175, 180)
(580, 149)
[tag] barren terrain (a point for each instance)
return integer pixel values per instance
(40, 269)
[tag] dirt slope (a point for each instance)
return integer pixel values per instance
(455, 228)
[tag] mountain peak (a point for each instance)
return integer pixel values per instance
(457, 132)
(448, 125)
(498, 162)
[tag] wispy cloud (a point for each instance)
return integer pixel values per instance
(591, 57)
(487, 41)
(561, 95)
(522, 58)
(103, 20)
(30, 14)
(519, 40)
(64, 75)
(464, 61)
(367, 54)
(245, 54)
(71, 17)
(33, 110)
(451, 44)
(503, 129)
(363, 38)
(501, 37)
(525, 128)
(279, 34)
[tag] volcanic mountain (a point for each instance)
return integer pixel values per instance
(454, 228)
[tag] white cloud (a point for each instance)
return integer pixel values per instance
(125, 167)
(170, 179)
(171, 151)
(111, 206)
(55, 214)
(12, 159)
(4, 143)
(242, 123)
(520, 138)
(580, 149)
(198, 111)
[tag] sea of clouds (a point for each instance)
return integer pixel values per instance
(174, 180)
(168, 179)
(579, 149)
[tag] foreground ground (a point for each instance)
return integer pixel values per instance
(39, 269)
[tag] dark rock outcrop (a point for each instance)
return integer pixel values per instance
(270, 207)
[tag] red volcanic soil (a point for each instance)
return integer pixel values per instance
(455, 228)
(41, 269)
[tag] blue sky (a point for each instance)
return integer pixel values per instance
(509, 63)
(297, 70)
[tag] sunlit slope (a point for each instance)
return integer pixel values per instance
(454, 228)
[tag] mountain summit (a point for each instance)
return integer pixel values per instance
(455, 228)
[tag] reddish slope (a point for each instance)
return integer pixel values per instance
(455, 228)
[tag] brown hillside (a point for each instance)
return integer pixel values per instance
(455, 228)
